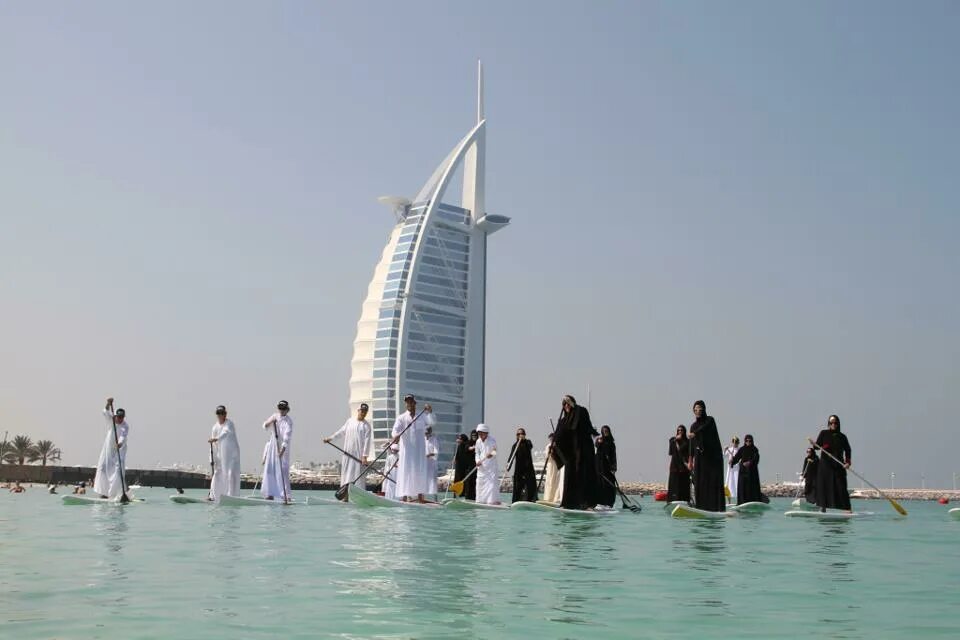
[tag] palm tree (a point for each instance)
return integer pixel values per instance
(46, 450)
(20, 450)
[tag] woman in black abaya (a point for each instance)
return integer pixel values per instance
(678, 482)
(708, 469)
(606, 467)
(748, 482)
(832, 476)
(810, 466)
(524, 475)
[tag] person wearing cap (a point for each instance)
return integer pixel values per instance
(485, 457)
(226, 457)
(276, 464)
(109, 482)
(433, 452)
(409, 431)
(390, 466)
(356, 434)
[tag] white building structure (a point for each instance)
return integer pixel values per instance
(423, 323)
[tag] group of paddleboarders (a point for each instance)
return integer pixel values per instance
(697, 459)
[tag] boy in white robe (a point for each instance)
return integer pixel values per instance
(276, 469)
(226, 457)
(408, 432)
(553, 482)
(390, 467)
(356, 434)
(488, 485)
(433, 451)
(109, 481)
(733, 473)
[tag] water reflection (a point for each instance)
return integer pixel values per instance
(577, 548)
(703, 551)
(834, 564)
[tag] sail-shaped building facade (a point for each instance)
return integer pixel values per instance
(423, 323)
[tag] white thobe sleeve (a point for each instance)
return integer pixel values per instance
(122, 430)
(364, 439)
(397, 426)
(268, 422)
(286, 434)
(339, 432)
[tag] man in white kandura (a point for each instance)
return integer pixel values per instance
(276, 467)
(733, 473)
(226, 457)
(433, 451)
(109, 481)
(390, 466)
(356, 434)
(409, 432)
(488, 485)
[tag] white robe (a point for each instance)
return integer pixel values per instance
(433, 446)
(226, 461)
(390, 468)
(488, 484)
(276, 478)
(733, 473)
(108, 481)
(553, 482)
(412, 470)
(356, 442)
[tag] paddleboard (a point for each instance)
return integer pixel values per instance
(468, 505)
(801, 503)
(955, 513)
(179, 499)
(670, 505)
(829, 515)
(686, 511)
(750, 507)
(364, 498)
(546, 506)
(315, 501)
(72, 499)
(246, 501)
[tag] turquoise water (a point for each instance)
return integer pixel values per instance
(161, 570)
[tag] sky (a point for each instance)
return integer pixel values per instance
(753, 204)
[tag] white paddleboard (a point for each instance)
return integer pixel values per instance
(829, 515)
(468, 505)
(668, 507)
(686, 511)
(316, 501)
(72, 499)
(750, 507)
(184, 499)
(364, 498)
(546, 506)
(801, 503)
(954, 513)
(246, 501)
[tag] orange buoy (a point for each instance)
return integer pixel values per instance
(944, 500)
(660, 496)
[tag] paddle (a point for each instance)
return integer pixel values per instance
(457, 487)
(259, 478)
(210, 493)
(801, 482)
(342, 491)
(893, 503)
(503, 477)
(283, 483)
(123, 482)
(627, 503)
(353, 457)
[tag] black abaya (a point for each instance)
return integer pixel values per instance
(748, 480)
(575, 435)
(524, 475)
(831, 476)
(678, 483)
(810, 478)
(606, 471)
(708, 472)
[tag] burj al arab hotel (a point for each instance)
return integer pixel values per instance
(423, 323)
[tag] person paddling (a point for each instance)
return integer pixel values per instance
(432, 447)
(733, 470)
(485, 457)
(524, 474)
(357, 439)
(276, 454)
(226, 457)
(707, 460)
(606, 467)
(832, 475)
(409, 431)
(109, 481)
(678, 480)
(553, 470)
(748, 482)
(574, 440)
(811, 465)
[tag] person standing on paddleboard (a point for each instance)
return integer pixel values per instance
(432, 446)
(357, 434)
(810, 468)
(276, 468)
(409, 432)
(108, 482)
(708, 471)
(733, 471)
(832, 477)
(226, 457)
(485, 456)
(678, 480)
(748, 482)
(574, 439)
(524, 475)
(606, 467)
(553, 482)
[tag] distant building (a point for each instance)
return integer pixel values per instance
(423, 323)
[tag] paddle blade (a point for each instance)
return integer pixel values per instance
(342, 492)
(124, 499)
(896, 505)
(726, 491)
(457, 488)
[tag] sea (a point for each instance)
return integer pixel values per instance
(162, 570)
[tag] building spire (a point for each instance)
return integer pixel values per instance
(479, 91)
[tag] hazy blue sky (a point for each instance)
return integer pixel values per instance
(751, 203)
